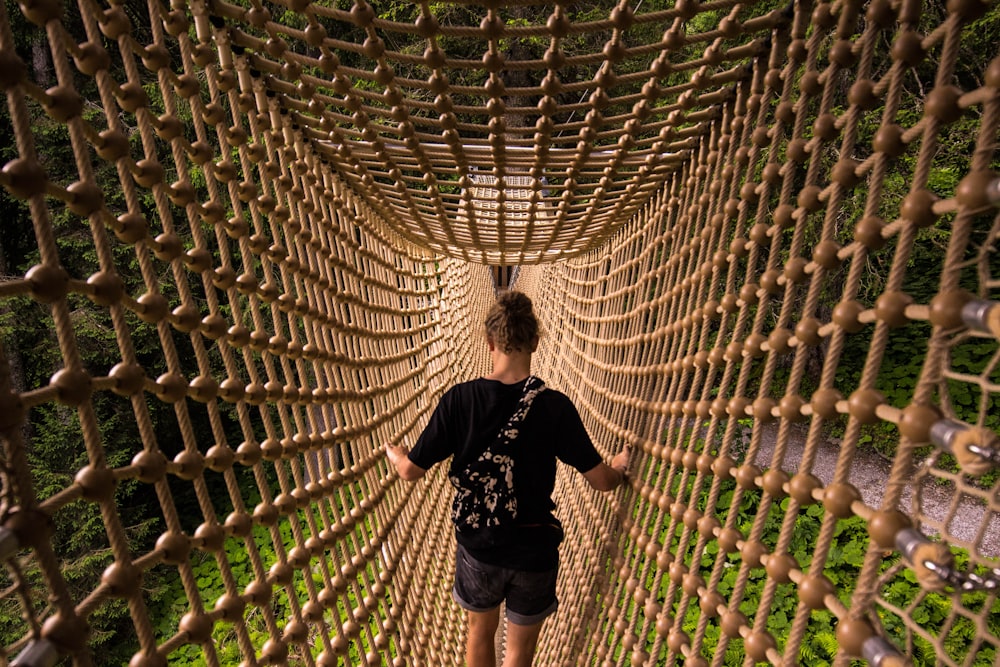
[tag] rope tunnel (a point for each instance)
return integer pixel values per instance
(245, 244)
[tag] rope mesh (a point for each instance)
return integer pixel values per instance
(297, 203)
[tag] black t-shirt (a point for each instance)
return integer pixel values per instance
(468, 419)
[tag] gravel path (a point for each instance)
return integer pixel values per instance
(870, 472)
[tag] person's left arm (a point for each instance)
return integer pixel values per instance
(576, 448)
(604, 477)
(399, 456)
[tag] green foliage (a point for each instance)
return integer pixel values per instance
(55, 446)
(903, 361)
(173, 602)
(850, 543)
(940, 616)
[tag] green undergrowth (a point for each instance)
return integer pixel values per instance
(174, 602)
(902, 605)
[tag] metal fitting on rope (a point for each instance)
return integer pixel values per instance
(38, 653)
(982, 315)
(993, 192)
(966, 581)
(976, 449)
(979, 190)
(926, 558)
(991, 188)
(879, 652)
(9, 544)
(934, 565)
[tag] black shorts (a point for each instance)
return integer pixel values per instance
(530, 596)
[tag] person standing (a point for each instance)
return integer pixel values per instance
(504, 433)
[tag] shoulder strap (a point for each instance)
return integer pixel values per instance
(533, 386)
(484, 489)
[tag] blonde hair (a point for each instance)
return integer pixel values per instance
(511, 323)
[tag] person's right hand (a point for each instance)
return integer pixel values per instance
(620, 460)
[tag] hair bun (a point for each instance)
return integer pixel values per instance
(511, 322)
(514, 301)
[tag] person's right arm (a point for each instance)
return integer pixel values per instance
(433, 446)
(399, 456)
(604, 477)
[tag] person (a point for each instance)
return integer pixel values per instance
(504, 433)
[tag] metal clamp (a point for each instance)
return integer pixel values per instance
(9, 544)
(934, 565)
(38, 653)
(965, 581)
(975, 449)
(879, 652)
(982, 315)
(988, 453)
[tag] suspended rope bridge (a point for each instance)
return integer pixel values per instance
(760, 237)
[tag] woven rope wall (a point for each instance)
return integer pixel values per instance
(718, 207)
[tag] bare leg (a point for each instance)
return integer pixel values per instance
(521, 643)
(479, 648)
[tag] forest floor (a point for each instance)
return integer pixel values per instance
(870, 475)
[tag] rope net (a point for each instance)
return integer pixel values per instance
(735, 219)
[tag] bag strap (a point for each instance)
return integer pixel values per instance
(533, 386)
(484, 496)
